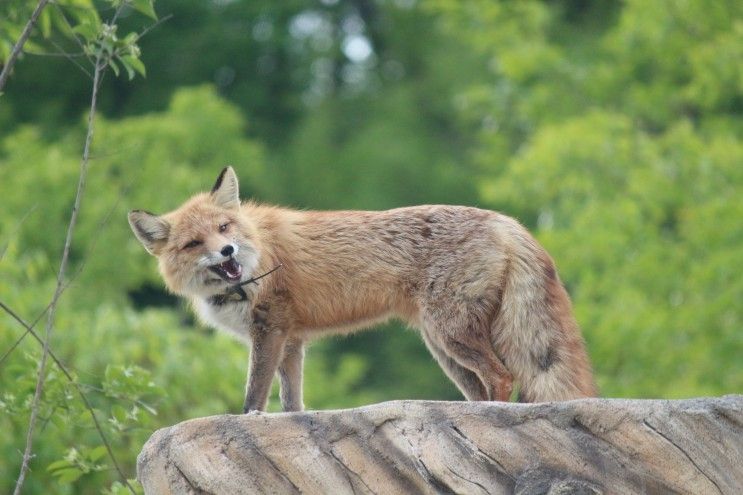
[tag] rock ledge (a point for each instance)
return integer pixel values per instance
(583, 446)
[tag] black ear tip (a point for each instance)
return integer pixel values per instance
(220, 179)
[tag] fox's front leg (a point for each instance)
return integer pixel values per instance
(267, 347)
(290, 375)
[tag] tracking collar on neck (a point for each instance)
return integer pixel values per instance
(235, 293)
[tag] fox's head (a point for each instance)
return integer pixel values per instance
(205, 245)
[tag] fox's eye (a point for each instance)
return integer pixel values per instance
(192, 244)
(223, 227)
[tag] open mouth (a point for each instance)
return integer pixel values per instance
(229, 270)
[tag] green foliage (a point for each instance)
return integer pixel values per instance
(611, 129)
(63, 17)
(72, 449)
(77, 21)
(77, 463)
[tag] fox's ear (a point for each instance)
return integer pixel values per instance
(226, 191)
(151, 230)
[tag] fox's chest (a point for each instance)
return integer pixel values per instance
(232, 317)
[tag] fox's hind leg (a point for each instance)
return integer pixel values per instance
(465, 380)
(485, 364)
(464, 336)
(478, 356)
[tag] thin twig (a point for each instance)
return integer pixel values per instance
(78, 386)
(38, 318)
(71, 59)
(28, 329)
(18, 47)
(59, 54)
(137, 402)
(255, 280)
(99, 68)
(149, 28)
(17, 228)
(98, 74)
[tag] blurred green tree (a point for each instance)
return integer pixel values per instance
(612, 129)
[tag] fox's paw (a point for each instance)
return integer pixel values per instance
(248, 410)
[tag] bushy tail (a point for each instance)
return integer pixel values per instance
(536, 334)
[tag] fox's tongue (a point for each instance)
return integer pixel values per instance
(232, 268)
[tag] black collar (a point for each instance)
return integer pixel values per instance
(235, 293)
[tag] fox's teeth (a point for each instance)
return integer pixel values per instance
(230, 269)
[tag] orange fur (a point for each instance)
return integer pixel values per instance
(484, 294)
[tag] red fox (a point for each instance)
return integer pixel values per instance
(484, 295)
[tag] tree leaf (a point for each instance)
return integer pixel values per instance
(57, 465)
(134, 63)
(86, 30)
(68, 475)
(59, 22)
(97, 453)
(145, 7)
(114, 67)
(45, 22)
(34, 48)
(119, 413)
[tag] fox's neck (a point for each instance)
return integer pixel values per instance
(274, 226)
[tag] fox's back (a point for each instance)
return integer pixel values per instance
(361, 265)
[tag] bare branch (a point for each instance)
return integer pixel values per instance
(59, 53)
(18, 47)
(149, 28)
(69, 57)
(16, 229)
(137, 402)
(99, 68)
(29, 329)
